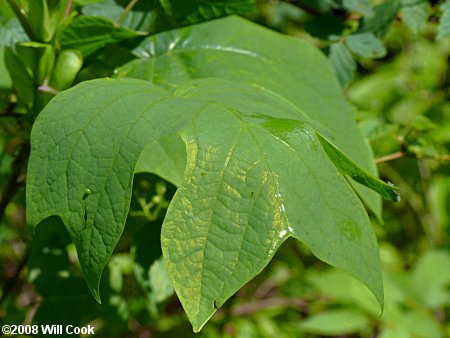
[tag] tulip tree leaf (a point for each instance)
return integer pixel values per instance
(235, 49)
(250, 155)
(256, 174)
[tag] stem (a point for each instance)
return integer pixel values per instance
(402, 154)
(15, 181)
(12, 114)
(125, 12)
(68, 8)
(9, 284)
(390, 157)
(22, 18)
(269, 303)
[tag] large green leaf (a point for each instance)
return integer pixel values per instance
(237, 50)
(256, 174)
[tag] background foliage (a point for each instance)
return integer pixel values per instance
(391, 59)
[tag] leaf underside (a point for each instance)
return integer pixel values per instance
(255, 173)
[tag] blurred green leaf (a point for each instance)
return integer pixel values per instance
(380, 22)
(90, 33)
(22, 80)
(189, 12)
(159, 281)
(335, 322)
(11, 33)
(5, 78)
(366, 44)
(325, 26)
(171, 154)
(415, 14)
(342, 61)
(433, 270)
(444, 25)
(360, 6)
(38, 58)
(142, 16)
(419, 324)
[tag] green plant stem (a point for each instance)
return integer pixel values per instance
(22, 19)
(125, 12)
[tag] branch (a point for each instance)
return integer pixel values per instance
(12, 115)
(22, 18)
(268, 303)
(125, 12)
(402, 154)
(15, 181)
(250, 308)
(68, 8)
(9, 283)
(390, 157)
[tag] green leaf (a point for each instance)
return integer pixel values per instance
(335, 322)
(189, 12)
(159, 281)
(22, 80)
(366, 44)
(348, 167)
(380, 22)
(235, 49)
(171, 154)
(44, 17)
(142, 17)
(433, 270)
(88, 34)
(342, 61)
(415, 14)
(256, 174)
(38, 58)
(11, 33)
(360, 6)
(444, 25)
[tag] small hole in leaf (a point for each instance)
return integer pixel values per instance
(87, 193)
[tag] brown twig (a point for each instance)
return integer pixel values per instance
(402, 154)
(15, 181)
(68, 8)
(125, 12)
(9, 283)
(269, 303)
(390, 157)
